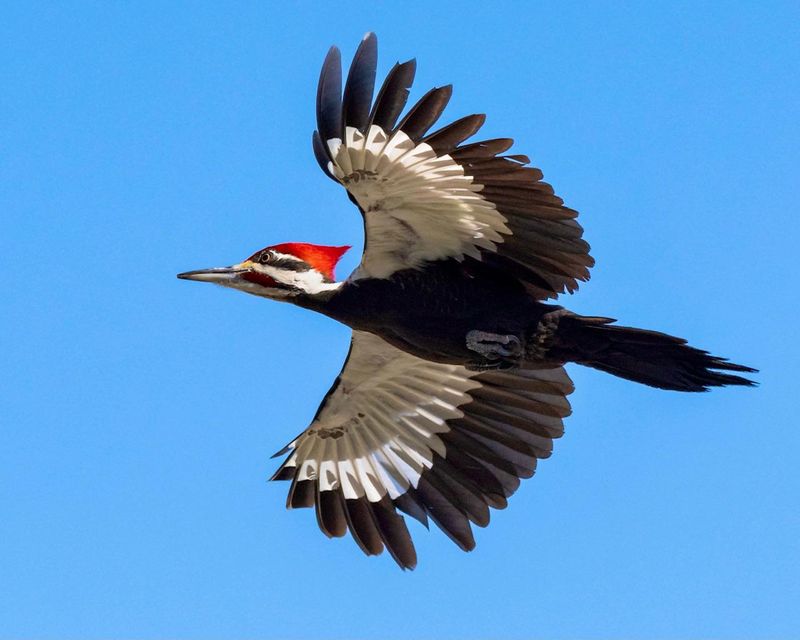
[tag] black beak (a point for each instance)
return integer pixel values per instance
(220, 275)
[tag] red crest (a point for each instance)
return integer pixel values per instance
(322, 258)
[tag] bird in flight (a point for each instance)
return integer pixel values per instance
(454, 386)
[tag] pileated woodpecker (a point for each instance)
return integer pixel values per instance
(454, 385)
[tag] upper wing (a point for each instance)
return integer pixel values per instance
(433, 440)
(430, 197)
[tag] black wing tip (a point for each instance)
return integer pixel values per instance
(393, 95)
(282, 452)
(358, 90)
(332, 62)
(329, 95)
(409, 66)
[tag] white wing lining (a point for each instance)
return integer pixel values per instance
(418, 206)
(430, 439)
(379, 429)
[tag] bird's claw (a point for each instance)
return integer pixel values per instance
(494, 346)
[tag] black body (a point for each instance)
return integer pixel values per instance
(429, 312)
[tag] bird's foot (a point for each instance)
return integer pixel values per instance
(494, 346)
(489, 365)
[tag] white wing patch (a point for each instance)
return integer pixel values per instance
(432, 440)
(418, 206)
(378, 429)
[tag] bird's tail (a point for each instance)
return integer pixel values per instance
(649, 357)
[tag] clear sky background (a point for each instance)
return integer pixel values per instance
(138, 412)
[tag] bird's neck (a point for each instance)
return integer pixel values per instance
(319, 299)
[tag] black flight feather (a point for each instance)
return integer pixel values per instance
(362, 526)
(329, 97)
(394, 533)
(393, 95)
(425, 113)
(450, 136)
(360, 84)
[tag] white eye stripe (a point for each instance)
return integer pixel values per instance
(286, 256)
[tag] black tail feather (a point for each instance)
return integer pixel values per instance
(649, 357)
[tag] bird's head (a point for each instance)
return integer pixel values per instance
(280, 272)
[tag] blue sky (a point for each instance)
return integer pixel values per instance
(138, 412)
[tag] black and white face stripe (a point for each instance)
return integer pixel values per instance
(428, 197)
(430, 439)
(281, 275)
(294, 276)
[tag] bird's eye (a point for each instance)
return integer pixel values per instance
(265, 257)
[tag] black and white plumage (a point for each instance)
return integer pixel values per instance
(454, 385)
(431, 439)
(426, 196)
